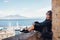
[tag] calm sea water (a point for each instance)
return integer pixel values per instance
(21, 22)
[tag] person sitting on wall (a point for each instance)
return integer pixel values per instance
(45, 27)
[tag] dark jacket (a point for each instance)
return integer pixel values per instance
(45, 28)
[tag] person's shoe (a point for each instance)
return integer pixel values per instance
(25, 31)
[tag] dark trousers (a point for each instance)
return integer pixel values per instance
(46, 37)
(42, 38)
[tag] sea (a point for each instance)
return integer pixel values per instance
(21, 22)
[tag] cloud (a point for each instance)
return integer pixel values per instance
(35, 12)
(25, 8)
(43, 10)
(7, 12)
(27, 12)
(1, 11)
(6, 1)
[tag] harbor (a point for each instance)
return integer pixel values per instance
(10, 31)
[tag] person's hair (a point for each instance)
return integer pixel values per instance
(50, 14)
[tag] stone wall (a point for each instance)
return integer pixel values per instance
(25, 36)
(56, 18)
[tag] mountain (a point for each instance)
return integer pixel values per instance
(14, 17)
(20, 17)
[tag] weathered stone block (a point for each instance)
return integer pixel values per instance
(56, 18)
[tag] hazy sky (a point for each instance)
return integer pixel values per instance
(28, 8)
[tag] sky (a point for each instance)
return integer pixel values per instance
(27, 8)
